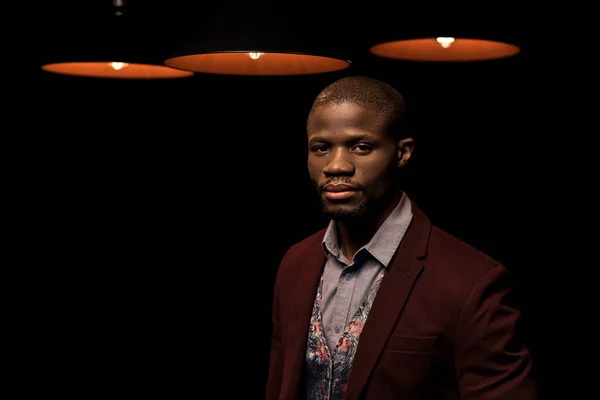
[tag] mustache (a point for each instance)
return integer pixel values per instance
(340, 181)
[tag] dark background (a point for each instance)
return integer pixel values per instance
(161, 209)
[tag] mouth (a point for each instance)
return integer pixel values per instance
(339, 192)
(339, 195)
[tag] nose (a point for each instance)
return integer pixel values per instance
(339, 164)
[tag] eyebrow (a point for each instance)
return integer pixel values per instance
(347, 138)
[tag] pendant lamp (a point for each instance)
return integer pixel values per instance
(451, 34)
(256, 39)
(108, 45)
(445, 49)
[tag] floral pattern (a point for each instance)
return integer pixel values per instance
(327, 373)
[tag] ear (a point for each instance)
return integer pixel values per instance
(404, 150)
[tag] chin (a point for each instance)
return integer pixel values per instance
(344, 212)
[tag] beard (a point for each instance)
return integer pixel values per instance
(345, 212)
(359, 211)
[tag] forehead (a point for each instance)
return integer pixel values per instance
(345, 117)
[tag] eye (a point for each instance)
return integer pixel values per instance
(362, 148)
(320, 149)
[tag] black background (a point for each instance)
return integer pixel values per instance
(160, 209)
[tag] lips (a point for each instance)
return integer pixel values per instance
(339, 188)
(339, 192)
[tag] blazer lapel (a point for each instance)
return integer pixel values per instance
(403, 271)
(302, 298)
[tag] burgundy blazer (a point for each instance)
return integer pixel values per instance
(441, 327)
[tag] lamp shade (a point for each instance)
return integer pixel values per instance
(253, 38)
(115, 70)
(259, 61)
(105, 42)
(444, 48)
(450, 34)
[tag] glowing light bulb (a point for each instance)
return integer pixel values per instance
(255, 55)
(118, 65)
(445, 42)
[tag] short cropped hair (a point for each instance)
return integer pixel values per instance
(366, 92)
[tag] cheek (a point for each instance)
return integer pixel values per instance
(314, 170)
(379, 176)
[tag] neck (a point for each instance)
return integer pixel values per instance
(355, 233)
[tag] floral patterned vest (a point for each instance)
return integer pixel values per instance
(328, 370)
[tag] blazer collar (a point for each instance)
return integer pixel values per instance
(392, 295)
(391, 298)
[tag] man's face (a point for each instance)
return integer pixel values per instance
(352, 159)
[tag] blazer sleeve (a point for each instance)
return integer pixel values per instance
(492, 362)
(273, 387)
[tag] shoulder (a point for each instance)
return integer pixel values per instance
(299, 254)
(296, 251)
(449, 250)
(462, 272)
